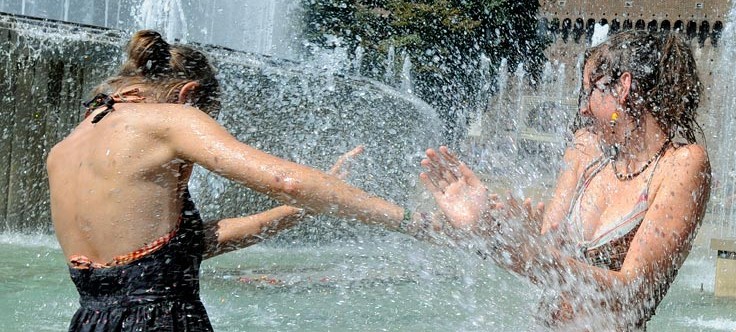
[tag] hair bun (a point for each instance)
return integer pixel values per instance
(148, 54)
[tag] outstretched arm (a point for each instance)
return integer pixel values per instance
(235, 233)
(195, 137)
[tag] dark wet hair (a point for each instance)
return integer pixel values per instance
(164, 69)
(664, 77)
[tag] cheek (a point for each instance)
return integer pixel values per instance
(606, 107)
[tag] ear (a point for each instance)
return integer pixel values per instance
(186, 91)
(624, 86)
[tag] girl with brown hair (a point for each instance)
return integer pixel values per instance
(120, 204)
(627, 204)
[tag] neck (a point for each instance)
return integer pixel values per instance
(636, 144)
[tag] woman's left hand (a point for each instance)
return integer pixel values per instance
(456, 189)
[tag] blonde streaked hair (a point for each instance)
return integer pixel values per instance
(162, 70)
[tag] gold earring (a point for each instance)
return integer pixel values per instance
(614, 118)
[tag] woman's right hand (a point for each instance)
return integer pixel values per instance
(458, 192)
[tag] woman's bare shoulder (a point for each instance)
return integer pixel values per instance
(689, 157)
(690, 166)
(167, 118)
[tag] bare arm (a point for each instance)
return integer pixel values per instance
(658, 249)
(235, 233)
(665, 236)
(195, 137)
(582, 151)
(232, 234)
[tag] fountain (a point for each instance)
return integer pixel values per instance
(724, 237)
(326, 274)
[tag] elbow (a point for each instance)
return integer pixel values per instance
(289, 187)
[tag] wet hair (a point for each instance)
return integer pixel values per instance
(163, 69)
(664, 78)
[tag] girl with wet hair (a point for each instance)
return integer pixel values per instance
(664, 79)
(164, 69)
(628, 201)
(121, 207)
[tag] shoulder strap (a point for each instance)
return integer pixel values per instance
(583, 181)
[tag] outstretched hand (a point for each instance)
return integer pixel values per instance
(458, 192)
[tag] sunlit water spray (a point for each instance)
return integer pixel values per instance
(723, 158)
(337, 275)
(165, 16)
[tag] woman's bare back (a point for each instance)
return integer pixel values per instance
(114, 185)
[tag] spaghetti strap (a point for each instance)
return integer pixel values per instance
(651, 175)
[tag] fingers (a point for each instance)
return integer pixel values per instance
(449, 156)
(540, 209)
(444, 169)
(494, 202)
(432, 178)
(436, 171)
(469, 175)
(528, 207)
(444, 166)
(355, 151)
(452, 164)
(512, 203)
(340, 169)
(431, 186)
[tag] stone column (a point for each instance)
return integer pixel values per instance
(725, 267)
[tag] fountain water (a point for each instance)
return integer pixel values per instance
(352, 278)
(724, 156)
(388, 76)
(407, 86)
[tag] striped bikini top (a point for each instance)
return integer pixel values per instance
(610, 244)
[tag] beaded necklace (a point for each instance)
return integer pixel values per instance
(629, 176)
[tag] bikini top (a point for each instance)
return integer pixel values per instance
(610, 244)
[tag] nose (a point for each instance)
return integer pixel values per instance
(584, 110)
(584, 107)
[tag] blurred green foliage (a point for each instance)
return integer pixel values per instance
(445, 40)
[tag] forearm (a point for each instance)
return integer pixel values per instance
(540, 259)
(322, 193)
(236, 233)
(289, 182)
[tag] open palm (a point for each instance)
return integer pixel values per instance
(456, 189)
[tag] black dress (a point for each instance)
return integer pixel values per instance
(158, 292)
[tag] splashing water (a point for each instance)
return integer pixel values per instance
(600, 33)
(167, 17)
(407, 86)
(358, 277)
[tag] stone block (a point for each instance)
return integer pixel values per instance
(725, 285)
